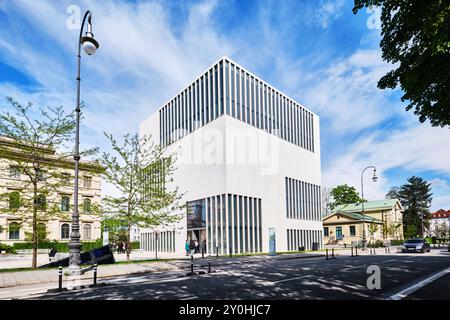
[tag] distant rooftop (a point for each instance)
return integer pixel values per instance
(368, 206)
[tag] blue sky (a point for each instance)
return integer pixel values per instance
(317, 52)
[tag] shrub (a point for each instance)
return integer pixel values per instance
(135, 245)
(6, 248)
(396, 242)
(429, 240)
(59, 246)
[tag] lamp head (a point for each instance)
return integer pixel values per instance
(90, 45)
(374, 178)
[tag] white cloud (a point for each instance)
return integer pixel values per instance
(328, 11)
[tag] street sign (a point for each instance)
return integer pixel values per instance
(272, 245)
(105, 238)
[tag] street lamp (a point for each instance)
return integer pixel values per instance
(374, 178)
(90, 45)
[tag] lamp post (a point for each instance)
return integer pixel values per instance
(374, 178)
(90, 45)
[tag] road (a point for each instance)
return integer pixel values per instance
(312, 278)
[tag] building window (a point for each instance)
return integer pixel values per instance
(41, 202)
(65, 179)
(14, 231)
(325, 231)
(87, 205)
(65, 231)
(87, 231)
(352, 231)
(14, 172)
(87, 182)
(40, 175)
(14, 200)
(65, 200)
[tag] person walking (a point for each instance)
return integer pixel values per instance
(192, 246)
(186, 247)
(196, 246)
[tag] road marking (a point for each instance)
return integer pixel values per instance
(350, 268)
(284, 280)
(404, 293)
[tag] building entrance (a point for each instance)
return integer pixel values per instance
(198, 235)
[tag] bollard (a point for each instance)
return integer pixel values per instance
(60, 278)
(203, 252)
(352, 251)
(356, 251)
(95, 274)
(374, 252)
(332, 253)
(192, 264)
(217, 251)
(326, 250)
(231, 253)
(209, 264)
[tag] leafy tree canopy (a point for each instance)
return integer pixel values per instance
(415, 37)
(344, 194)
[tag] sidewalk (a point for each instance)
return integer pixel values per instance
(11, 279)
(40, 276)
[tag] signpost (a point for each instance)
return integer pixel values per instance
(272, 244)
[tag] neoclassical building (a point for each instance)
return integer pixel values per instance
(345, 224)
(55, 215)
(248, 160)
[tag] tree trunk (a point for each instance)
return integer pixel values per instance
(128, 243)
(34, 261)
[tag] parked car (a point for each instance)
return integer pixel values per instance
(416, 245)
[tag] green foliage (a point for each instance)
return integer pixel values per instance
(415, 197)
(135, 245)
(393, 193)
(429, 240)
(397, 242)
(4, 248)
(39, 143)
(59, 246)
(41, 233)
(344, 194)
(373, 228)
(376, 244)
(415, 37)
(140, 171)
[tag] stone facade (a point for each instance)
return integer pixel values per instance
(14, 224)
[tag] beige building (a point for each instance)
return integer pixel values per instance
(56, 218)
(345, 224)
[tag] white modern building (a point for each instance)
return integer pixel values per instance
(248, 160)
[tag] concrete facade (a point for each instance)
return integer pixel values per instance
(247, 163)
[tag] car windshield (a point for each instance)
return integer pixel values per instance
(415, 241)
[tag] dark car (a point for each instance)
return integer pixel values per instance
(416, 245)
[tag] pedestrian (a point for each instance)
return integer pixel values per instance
(196, 246)
(186, 247)
(192, 246)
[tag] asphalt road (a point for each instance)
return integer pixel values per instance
(313, 278)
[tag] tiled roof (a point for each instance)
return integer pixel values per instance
(368, 205)
(357, 216)
(440, 214)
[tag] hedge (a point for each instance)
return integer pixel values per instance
(59, 246)
(6, 248)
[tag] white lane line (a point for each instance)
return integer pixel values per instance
(290, 279)
(404, 293)
(350, 268)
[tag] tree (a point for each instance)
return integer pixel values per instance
(393, 193)
(415, 197)
(326, 200)
(415, 39)
(31, 138)
(373, 228)
(141, 172)
(344, 194)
